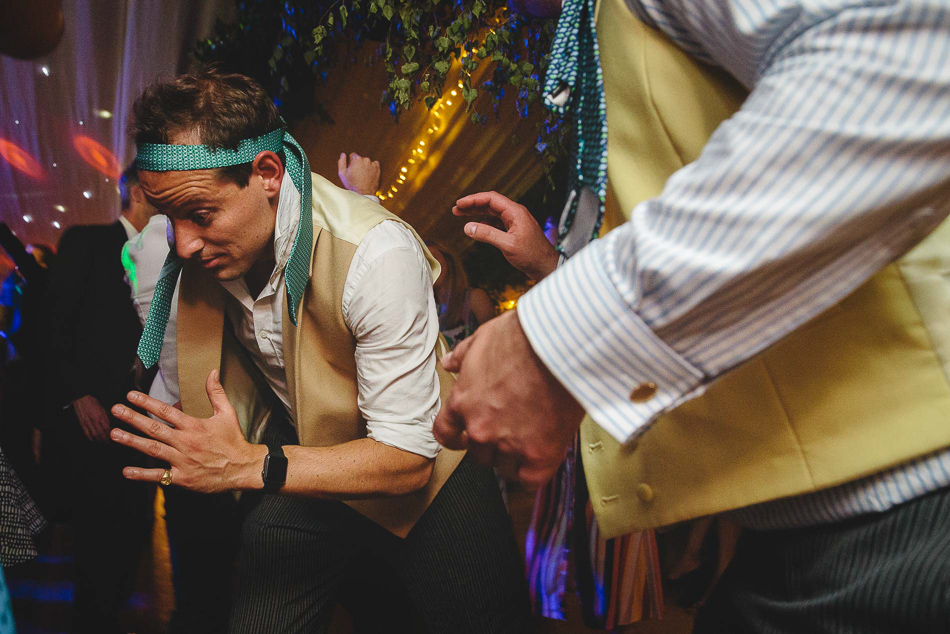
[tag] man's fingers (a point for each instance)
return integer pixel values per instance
(488, 234)
(145, 475)
(341, 165)
(453, 360)
(449, 429)
(216, 394)
(148, 446)
(153, 428)
(164, 411)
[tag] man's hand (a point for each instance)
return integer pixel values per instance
(93, 418)
(522, 242)
(206, 455)
(506, 407)
(361, 175)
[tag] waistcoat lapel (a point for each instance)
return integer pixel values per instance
(200, 333)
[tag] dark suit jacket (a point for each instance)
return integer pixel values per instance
(94, 329)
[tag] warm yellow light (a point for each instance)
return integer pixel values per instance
(412, 160)
(404, 170)
(460, 84)
(430, 130)
(390, 195)
(448, 103)
(454, 93)
(422, 142)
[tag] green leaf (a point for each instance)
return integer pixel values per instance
(273, 64)
(478, 8)
(527, 67)
(287, 41)
(530, 83)
(443, 44)
(278, 54)
(430, 101)
(408, 51)
(469, 95)
(482, 53)
(372, 8)
(408, 69)
(343, 15)
(441, 67)
(516, 79)
(330, 20)
(309, 56)
(319, 33)
(424, 86)
(388, 12)
(402, 85)
(496, 56)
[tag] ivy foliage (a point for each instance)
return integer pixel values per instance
(290, 47)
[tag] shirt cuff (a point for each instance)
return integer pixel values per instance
(415, 438)
(596, 345)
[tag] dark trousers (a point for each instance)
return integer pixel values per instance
(887, 572)
(203, 536)
(112, 522)
(458, 571)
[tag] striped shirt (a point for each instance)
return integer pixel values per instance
(796, 200)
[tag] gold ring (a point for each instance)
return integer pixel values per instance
(166, 478)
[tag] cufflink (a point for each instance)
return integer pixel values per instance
(643, 392)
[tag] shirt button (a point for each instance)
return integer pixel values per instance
(645, 493)
(643, 392)
(264, 334)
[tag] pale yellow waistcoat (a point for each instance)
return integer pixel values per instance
(861, 388)
(318, 353)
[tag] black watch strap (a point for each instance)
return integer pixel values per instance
(274, 473)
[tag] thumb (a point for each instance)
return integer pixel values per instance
(341, 165)
(216, 394)
(453, 360)
(487, 234)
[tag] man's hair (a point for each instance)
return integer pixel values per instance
(129, 178)
(223, 108)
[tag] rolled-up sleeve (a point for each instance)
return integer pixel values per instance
(389, 306)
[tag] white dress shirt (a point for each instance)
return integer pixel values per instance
(389, 306)
(835, 165)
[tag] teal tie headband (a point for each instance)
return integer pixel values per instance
(575, 67)
(158, 157)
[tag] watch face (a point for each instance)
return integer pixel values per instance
(275, 469)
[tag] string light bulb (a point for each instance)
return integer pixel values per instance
(59, 208)
(404, 170)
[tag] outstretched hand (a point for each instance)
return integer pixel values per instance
(360, 174)
(206, 454)
(522, 242)
(506, 407)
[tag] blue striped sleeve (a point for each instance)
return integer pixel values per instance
(836, 165)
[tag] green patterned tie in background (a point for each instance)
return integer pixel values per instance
(575, 67)
(157, 157)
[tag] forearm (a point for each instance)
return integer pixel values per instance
(358, 469)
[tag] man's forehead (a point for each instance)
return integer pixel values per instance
(174, 186)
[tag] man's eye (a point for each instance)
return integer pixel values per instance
(201, 218)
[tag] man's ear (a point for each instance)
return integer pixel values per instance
(137, 195)
(270, 170)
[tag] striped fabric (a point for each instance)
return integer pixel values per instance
(796, 200)
(618, 580)
(882, 574)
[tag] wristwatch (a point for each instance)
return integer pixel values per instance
(275, 469)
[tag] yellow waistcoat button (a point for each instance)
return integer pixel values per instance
(645, 493)
(643, 392)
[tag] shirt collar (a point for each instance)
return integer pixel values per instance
(285, 229)
(130, 229)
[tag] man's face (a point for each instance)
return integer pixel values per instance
(225, 228)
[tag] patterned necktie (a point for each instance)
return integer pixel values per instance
(158, 157)
(575, 82)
